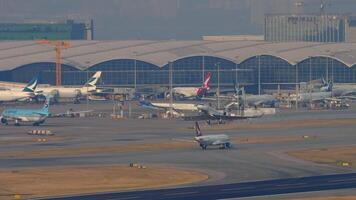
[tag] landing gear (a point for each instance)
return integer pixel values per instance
(228, 145)
(225, 145)
(203, 146)
(76, 101)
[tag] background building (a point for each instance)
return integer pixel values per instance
(69, 30)
(257, 64)
(313, 28)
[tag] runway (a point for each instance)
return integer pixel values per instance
(243, 165)
(237, 190)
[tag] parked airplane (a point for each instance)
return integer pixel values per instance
(313, 97)
(19, 95)
(204, 141)
(252, 100)
(71, 92)
(191, 92)
(339, 91)
(34, 116)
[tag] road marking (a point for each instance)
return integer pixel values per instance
(135, 197)
(183, 140)
(342, 180)
(291, 184)
(240, 188)
(179, 193)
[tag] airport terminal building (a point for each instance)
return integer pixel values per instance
(257, 64)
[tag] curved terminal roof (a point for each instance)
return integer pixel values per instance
(84, 54)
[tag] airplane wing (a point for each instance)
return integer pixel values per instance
(42, 114)
(217, 142)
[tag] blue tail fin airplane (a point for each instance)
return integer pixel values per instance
(34, 116)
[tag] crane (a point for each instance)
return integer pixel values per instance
(58, 45)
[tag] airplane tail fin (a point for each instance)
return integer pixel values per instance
(327, 86)
(47, 103)
(31, 86)
(93, 80)
(197, 129)
(239, 91)
(206, 81)
(323, 81)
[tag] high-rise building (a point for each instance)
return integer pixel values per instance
(69, 30)
(310, 27)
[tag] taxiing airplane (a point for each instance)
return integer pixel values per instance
(177, 109)
(165, 106)
(19, 95)
(193, 92)
(204, 141)
(34, 116)
(257, 100)
(265, 100)
(211, 113)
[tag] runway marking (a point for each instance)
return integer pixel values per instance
(179, 193)
(240, 188)
(342, 180)
(135, 197)
(291, 184)
(183, 140)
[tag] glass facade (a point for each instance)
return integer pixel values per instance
(46, 72)
(264, 72)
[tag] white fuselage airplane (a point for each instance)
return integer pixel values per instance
(72, 92)
(204, 141)
(60, 91)
(19, 95)
(313, 96)
(166, 106)
(190, 92)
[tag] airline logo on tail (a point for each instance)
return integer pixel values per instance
(31, 86)
(207, 80)
(327, 86)
(93, 80)
(47, 102)
(202, 90)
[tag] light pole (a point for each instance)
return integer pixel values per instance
(310, 77)
(218, 91)
(170, 88)
(296, 86)
(259, 75)
(87, 95)
(135, 69)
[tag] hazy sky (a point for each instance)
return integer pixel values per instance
(163, 19)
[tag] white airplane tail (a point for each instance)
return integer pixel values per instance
(93, 80)
(31, 86)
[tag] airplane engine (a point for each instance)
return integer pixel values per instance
(3, 120)
(55, 95)
(77, 94)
